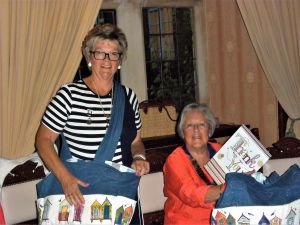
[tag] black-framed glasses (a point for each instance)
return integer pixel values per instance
(113, 56)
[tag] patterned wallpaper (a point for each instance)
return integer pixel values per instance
(238, 89)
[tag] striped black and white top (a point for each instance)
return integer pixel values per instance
(75, 110)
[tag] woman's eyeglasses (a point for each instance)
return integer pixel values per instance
(113, 56)
(193, 126)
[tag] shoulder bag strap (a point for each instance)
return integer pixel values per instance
(109, 143)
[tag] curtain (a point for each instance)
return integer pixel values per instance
(274, 29)
(39, 51)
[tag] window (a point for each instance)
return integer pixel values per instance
(169, 53)
(104, 16)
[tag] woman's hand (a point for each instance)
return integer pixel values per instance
(70, 186)
(141, 167)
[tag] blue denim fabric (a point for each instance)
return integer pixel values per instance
(103, 179)
(244, 190)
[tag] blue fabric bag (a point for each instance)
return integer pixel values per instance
(244, 190)
(275, 201)
(110, 197)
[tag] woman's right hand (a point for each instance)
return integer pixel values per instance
(70, 186)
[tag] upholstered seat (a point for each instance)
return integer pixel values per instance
(152, 197)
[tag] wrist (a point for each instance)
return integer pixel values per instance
(139, 157)
(222, 188)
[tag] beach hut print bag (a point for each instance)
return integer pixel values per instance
(110, 197)
(276, 201)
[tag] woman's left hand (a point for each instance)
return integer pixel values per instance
(141, 167)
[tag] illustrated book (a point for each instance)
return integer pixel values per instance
(242, 152)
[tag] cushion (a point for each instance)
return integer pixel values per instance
(151, 192)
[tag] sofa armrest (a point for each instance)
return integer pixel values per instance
(18, 192)
(19, 202)
(151, 192)
(279, 165)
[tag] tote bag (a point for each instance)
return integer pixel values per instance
(246, 201)
(110, 197)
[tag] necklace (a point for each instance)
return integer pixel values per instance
(107, 116)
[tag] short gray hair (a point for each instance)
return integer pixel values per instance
(104, 32)
(205, 110)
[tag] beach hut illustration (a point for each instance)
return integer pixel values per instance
(243, 220)
(107, 209)
(230, 220)
(290, 218)
(275, 221)
(47, 205)
(128, 212)
(96, 211)
(78, 209)
(263, 220)
(119, 215)
(64, 211)
(220, 218)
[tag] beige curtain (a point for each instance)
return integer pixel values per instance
(274, 29)
(39, 51)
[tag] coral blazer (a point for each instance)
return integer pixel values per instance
(185, 191)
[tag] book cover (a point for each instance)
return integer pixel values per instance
(242, 153)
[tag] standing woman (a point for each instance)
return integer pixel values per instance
(190, 191)
(81, 111)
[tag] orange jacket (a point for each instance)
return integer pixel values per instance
(185, 191)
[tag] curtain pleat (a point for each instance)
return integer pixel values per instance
(274, 29)
(40, 45)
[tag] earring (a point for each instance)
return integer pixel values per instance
(119, 67)
(89, 64)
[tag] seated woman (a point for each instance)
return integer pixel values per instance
(191, 193)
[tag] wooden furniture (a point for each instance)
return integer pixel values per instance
(287, 147)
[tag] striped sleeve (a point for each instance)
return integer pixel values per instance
(133, 100)
(58, 110)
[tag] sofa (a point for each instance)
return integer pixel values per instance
(17, 189)
(285, 152)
